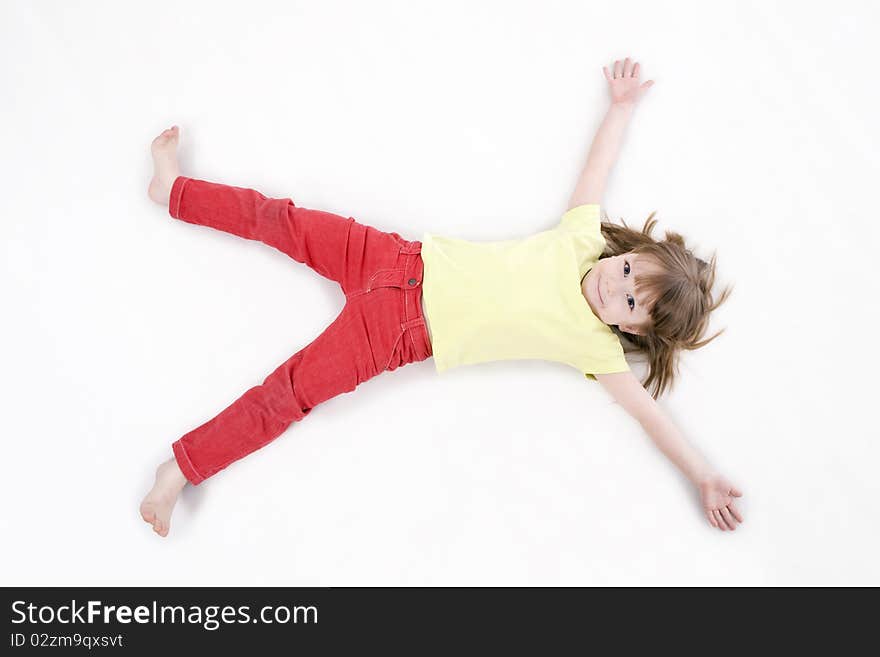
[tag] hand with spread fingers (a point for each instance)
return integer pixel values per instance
(623, 83)
(717, 495)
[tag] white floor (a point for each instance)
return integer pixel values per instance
(124, 328)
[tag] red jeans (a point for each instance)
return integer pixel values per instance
(380, 328)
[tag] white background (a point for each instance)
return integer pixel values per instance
(124, 329)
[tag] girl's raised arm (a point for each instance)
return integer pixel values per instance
(625, 91)
(716, 492)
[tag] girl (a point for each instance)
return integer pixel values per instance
(462, 303)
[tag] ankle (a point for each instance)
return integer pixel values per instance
(172, 472)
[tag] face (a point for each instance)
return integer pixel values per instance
(610, 290)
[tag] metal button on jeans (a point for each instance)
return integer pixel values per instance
(412, 281)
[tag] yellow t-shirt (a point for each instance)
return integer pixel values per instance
(519, 299)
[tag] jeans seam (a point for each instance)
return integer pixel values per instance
(189, 462)
(176, 213)
(393, 348)
(412, 339)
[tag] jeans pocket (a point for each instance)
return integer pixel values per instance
(386, 278)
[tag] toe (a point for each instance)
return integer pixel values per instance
(147, 513)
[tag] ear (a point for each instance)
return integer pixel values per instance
(628, 328)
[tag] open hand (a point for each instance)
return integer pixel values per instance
(624, 83)
(717, 494)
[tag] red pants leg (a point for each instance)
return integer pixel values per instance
(336, 247)
(380, 328)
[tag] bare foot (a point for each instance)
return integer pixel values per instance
(159, 503)
(164, 150)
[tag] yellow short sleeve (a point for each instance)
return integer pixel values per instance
(585, 227)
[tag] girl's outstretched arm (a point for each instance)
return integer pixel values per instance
(625, 91)
(716, 492)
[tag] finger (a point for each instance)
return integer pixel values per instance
(711, 518)
(617, 73)
(635, 72)
(607, 74)
(725, 513)
(627, 68)
(735, 511)
(735, 491)
(647, 85)
(719, 520)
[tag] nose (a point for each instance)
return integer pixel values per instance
(615, 289)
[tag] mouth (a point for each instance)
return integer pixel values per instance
(599, 289)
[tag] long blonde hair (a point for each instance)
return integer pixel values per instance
(679, 294)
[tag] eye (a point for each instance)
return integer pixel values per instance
(625, 268)
(631, 302)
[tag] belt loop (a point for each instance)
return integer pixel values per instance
(410, 248)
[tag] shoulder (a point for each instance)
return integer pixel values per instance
(600, 350)
(582, 221)
(588, 213)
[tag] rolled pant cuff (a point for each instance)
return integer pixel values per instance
(176, 193)
(185, 465)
